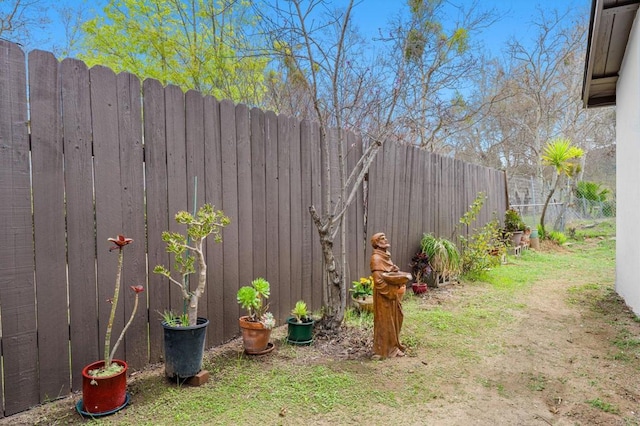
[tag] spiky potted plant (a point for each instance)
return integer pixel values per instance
(300, 325)
(444, 257)
(256, 326)
(184, 334)
(104, 382)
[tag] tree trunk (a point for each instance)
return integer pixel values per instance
(546, 204)
(332, 277)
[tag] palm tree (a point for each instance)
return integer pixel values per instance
(559, 153)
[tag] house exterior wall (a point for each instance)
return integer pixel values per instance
(628, 172)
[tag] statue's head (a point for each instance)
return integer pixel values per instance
(379, 240)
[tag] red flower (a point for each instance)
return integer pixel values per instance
(120, 242)
(137, 288)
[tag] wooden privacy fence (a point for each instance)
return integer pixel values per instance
(86, 154)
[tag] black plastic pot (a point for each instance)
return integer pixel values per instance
(184, 349)
(299, 333)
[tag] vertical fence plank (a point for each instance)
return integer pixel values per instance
(272, 202)
(177, 184)
(194, 145)
(283, 288)
(244, 196)
(316, 200)
(49, 224)
(108, 196)
(195, 172)
(19, 344)
(349, 221)
(157, 212)
(308, 228)
(81, 242)
(361, 266)
(415, 206)
(231, 264)
(258, 193)
(296, 215)
(375, 200)
(213, 194)
(133, 226)
(351, 216)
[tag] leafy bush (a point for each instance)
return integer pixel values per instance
(558, 237)
(513, 221)
(484, 249)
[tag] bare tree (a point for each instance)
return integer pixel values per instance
(539, 87)
(20, 18)
(319, 55)
(440, 62)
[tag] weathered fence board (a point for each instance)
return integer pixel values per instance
(245, 201)
(295, 279)
(306, 180)
(49, 224)
(272, 202)
(316, 200)
(110, 157)
(133, 220)
(231, 255)
(81, 244)
(19, 334)
(282, 286)
(213, 195)
(157, 210)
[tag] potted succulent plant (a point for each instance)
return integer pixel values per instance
(362, 294)
(421, 269)
(444, 257)
(256, 326)
(514, 226)
(300, 325)
(184, 333)
(104, 382)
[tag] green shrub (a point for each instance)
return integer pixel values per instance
(558, 237)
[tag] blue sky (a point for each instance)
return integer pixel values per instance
(514, 16)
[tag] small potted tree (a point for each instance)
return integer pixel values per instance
(104, 382)
(514, 226)
(300, 325)
(256, 326)
(184, 333)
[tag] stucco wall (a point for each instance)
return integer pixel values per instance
(628, 173)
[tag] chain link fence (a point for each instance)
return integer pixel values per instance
(527, 195)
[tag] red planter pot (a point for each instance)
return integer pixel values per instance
(419, 288)
(104, 394)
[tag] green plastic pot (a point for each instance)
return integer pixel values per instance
(299, 333)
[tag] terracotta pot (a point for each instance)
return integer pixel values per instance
(255, 336)
(104, 394)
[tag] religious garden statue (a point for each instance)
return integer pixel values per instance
(389, 285)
